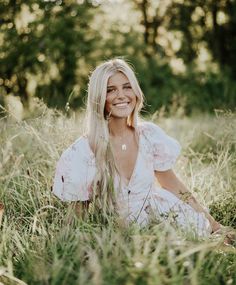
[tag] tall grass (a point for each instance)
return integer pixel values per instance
(42, 242)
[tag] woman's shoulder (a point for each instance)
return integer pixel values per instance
(155, 134)
(80, 147)
(149, 128)
(164, 148)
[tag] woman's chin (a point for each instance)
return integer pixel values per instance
(121, 114)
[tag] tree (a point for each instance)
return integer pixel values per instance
(206, 22)
(52, 49)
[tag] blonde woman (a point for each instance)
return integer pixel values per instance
(118, 159)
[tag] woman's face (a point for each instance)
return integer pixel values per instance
(120, 100)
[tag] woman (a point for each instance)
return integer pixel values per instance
(119, 159)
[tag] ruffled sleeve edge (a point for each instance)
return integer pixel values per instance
(165, 148)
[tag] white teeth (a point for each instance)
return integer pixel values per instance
(121, 104)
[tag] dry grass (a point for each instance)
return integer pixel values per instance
(43, 243)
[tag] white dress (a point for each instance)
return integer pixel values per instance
(140, 198)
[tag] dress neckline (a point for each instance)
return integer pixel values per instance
(123, 179)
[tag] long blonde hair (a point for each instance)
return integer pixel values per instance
(97, 126)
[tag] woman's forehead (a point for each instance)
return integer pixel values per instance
(118, 78)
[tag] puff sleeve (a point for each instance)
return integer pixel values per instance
(164, 148)
(75, 172)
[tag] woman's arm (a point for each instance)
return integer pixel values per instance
(169, 181)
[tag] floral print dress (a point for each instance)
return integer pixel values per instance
(140, 198)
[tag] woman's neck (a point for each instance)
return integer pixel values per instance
(118, 127)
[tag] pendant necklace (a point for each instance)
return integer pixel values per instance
(123, 147)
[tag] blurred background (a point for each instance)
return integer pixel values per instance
(183, 51)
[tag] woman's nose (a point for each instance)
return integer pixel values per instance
(120, 93)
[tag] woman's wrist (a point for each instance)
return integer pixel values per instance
(215, 226)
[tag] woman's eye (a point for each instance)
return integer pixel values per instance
(128, 87)
(110, 90)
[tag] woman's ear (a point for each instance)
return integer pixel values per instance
(107, 116)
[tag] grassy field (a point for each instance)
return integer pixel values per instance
(42, 242)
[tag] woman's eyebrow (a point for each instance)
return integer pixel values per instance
(112, 86)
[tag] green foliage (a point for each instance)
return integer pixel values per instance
(192, 92)
(48, 48)
(52, 50)
(207, 91)
(206, 22)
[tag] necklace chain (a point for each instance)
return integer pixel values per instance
(123, 145)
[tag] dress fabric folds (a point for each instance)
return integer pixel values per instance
(139, 199)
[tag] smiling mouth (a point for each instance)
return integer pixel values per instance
(124, 104)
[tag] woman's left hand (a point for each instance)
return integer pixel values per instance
(228, 233)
